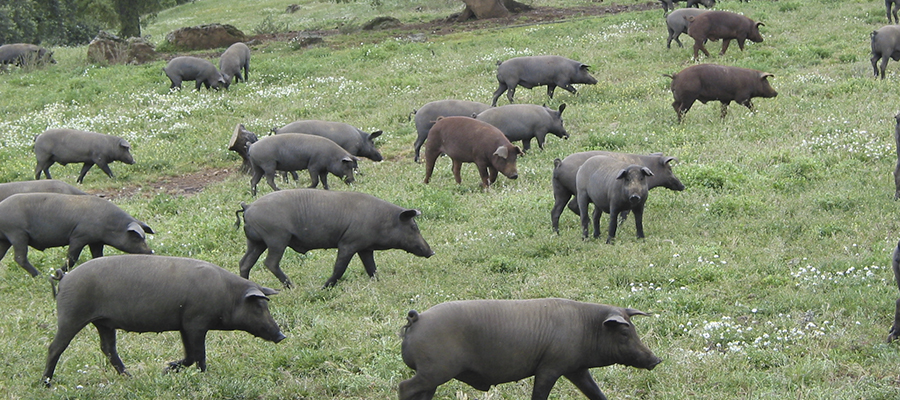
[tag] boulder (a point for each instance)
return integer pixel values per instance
(111, 49)
(205, 37)
(381, 23)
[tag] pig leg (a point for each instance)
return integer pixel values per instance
(698, 46)
(43, 164)
(724, 110)
(511, 92)
(340, 265)
(104, 166)
(725, 43)
(613, 225)
(273, 261)
(457, 167)
(526, 144)
(368, 260)
(569, 88)
(64, 335)
(492, 175)
(270, 180)
(543, 383)
(741, 44)
(418, 388)
(503, 87)
(895, 328)
(550, 89)
(194, 341)
(558, 206)
(4, 247)
(583, 202)
(585, 383)
(84, 169)
(108, 347)
(639, 220)
(254, 250)
(20, 251)
(74, 254)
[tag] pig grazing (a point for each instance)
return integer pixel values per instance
(529, 72)
(44, 220)
(233, 60)
(488, 342)
(140, 293)
(307, 219)
(296, 152)
(711, 82)
(677, 23)
(429, 113)
(613, 186)
(66, 146)
(45, 186)
(670, 4)
(355, 141)
(725, 25)
(465, 139)
(24, 54)
(187, 68)
(564, 173)
(885, 45)
(526, 121)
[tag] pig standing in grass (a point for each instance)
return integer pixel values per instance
(44, 220)
(233, 60)
(897, 168)
(488, 342)
(525, 122)
(725, 25)
(467, 140)
(613, 186)
(564, 173)
(895, 265)
(532, 71)
(670, 5)
(307, 219)
(187, 68)
(296, 152)
(157, 294)
(710, 82)
(23, 54)
(885, 45)
(72, 146)
(429, 113)
(45, 186)
(355, 141)
(895, 4)
(678, 22)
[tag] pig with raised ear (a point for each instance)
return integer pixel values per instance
(45, 220)
(488, 342)
(612, 186)
(66, 146)
(523, 122)
(429, 113)
(140, 293)
(296, 152)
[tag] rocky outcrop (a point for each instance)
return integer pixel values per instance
(111, 49)
(204, 37)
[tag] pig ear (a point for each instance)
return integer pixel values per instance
(254, 292)
(520, 151)
(407, 215)
(268, 291)
(375, 134)
(669, 159)
(348, 159)
(502, 152)
(622, 174)
(765, 75)
(146, 228)
(759, 24)
(136, 228)
(632, 312)
(615, 320)
(584, 67)
(562, 107)
(124, 143)
(647, 171)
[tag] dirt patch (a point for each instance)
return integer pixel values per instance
(193, 183)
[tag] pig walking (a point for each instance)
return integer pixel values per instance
(45, 220)
(66, 146)
(488, 342)
(613, 186)
(308, 219)
(140, 293)
(45, 186)
(528, 72)
(429, 113)
(296, 152)
(725, 25)
(465, 139)
(350, 138)
(525, 122)
(711, 82)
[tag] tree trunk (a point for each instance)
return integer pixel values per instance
(240, 143)
(129, 18)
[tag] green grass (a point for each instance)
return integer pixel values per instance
(768, 277)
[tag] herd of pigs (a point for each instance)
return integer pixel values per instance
(551, 338)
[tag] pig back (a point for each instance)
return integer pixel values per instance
(355, 141)
(466, 139)
(428, 114)
(70, 145)
(41, 186)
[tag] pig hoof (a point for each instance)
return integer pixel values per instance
(46, 382)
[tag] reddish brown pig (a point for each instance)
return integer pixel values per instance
(465, 139)
(715, 25)
(709, 82)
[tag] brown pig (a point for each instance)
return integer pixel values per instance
(465, 139)
(725, 25)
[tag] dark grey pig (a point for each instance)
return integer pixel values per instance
(66, 146)
(296, 152)
(23, 54)
(529, 72)
(307, 219)
(44, 220)
(885, 45)
(711, 82)
(895, 4)
(355, 141)
(233, 60)
(613, 186)
(45, 186)
(140, 293)
(468, 140)
(897, 168)
(187, 68)
(526, 121)
(895, 265)
(429, 113)
(670, 4)
(488, 342)
(677, 23)
(564, 173)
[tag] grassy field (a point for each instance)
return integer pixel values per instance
(768, 277)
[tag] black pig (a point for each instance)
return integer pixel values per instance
(187, 68)
(73, 146)
(529, 72)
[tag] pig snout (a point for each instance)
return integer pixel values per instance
(634, 199)
(280, 336)
(653, 363)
